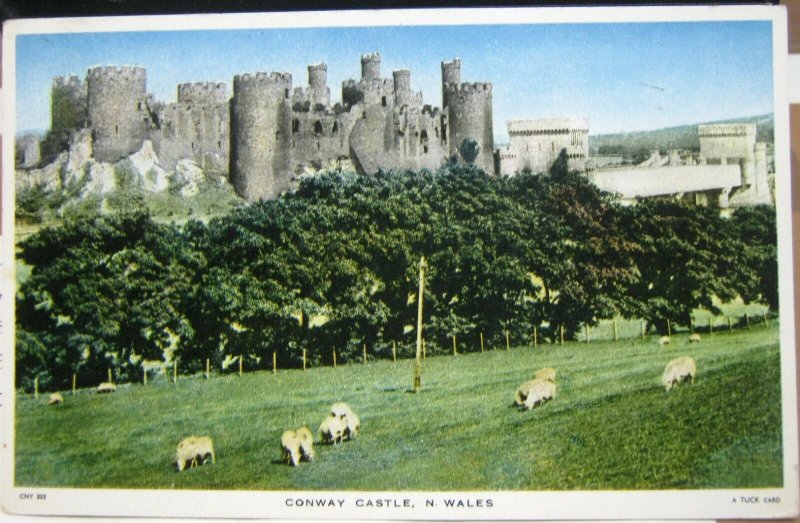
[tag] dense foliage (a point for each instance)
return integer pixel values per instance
(334, 265)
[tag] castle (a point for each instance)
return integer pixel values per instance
(268, 132)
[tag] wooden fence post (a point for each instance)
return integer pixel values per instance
(274, 362)
(691, 324)
(175, 372)
(508, 342)
(144, 375)
(710, 327)
(481, 342)
(730, 325)
(669, 328)
(643, 330)
(208, 369)
(424, 349)
(747, 319)
(74, 382)
(36, 387)
(394, 351)
(334, 358)
(562, 334)
(365, 354)
(535, 337)
(305, 358)
(766, 321)
(455, 352)
(586, 328)
(110, 378)
(240, 365)
(616, 333)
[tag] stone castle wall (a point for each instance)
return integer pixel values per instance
(469, 117)
(536, 143)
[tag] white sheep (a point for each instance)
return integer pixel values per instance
(345, 413)
(679, 370)
(106, 387)
(546, 374)
(694, 338)
(306, 441)
(539, 392)
(332, 429)
(663, 340)
(290, 448)
(56, 399)
(194, 451)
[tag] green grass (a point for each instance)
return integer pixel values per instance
(611, 426)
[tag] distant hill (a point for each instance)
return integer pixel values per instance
(681, 137)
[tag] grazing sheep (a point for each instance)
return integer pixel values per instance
(106, 387)
(194, 451)
(56, 399)
(679, 370)
(290, 448)
(663, 340)
(539, 392)
(345, 413)
(332, 429)
(546, 374)
(306, 444)
(694, 338)
(523, 391)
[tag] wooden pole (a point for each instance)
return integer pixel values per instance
(616, 333)
(420, 297)
(365, 354)
(305, 358)
(710, 327)
(74, 382)
(240, 365)
(747, 319)
(424, 349)
(274, 362)
(394, 351)
(730, 325)
(208, 369)
(535, 337)
(175, 371)
(36, 387)
(144, 374)
(586, 328)
(455, 352)
(110, 378)
(561, 329)
(643, 330)
(766, 321)
(334, 358)
(691, 324)
(508, 342)
(669, 328)
(481, 342)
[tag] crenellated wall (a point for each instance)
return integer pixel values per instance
(535, 144)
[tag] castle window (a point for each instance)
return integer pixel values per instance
(219, 145)
(295, 125)
(383, 101)
(286, 93)
(335, 127)
(116, 129)
(317, 127)
(437, 131)
(139, 106)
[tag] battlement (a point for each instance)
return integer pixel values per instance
(469, 90)
(727, 129)
(68, 82)
(117, 73)
(371, 66)
(263, 81)
(401, 73)
(370, 57)
(524, 127)
(203, 93)
(322, 66)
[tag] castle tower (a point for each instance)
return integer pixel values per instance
(470, 115)
(318, 91)
(67, 104)
(117, 112)
(402, 87)
(451, 74)
(371, 66)
(260, 135)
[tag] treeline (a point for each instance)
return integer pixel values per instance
(335, 264)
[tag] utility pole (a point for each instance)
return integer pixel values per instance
(418, 363)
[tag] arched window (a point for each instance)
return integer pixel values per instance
(317, 127)
(295, 125)
(335, 127)
(423, 140)
(383, 101)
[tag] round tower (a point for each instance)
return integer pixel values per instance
(451, 74)
(402, 87)
(260, 135)
(117, 114)
(371, 66)
(318, 91)
(470, 115)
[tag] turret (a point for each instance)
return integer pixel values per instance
(402, 87)
(318, 91)
(451, 74)
(470, 117)
(371, 66)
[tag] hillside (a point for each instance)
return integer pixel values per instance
(610, 426)
(680, 137)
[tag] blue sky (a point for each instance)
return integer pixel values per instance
(621, 76)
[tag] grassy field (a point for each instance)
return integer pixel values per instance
(611, 426)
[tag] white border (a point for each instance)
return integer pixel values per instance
(506, 505)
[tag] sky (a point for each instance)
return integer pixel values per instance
(622, 77)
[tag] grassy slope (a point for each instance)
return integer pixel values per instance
(612, 424)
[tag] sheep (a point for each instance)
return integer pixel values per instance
(522, 392)
(663, 340)
(678, 370)
(194, 451)
(106, 387)
(306, 444)
(56, 399)
(539, 392)
(345, 413)
(546, 374)
(332, 429)
(694, 338)
(290, 448)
